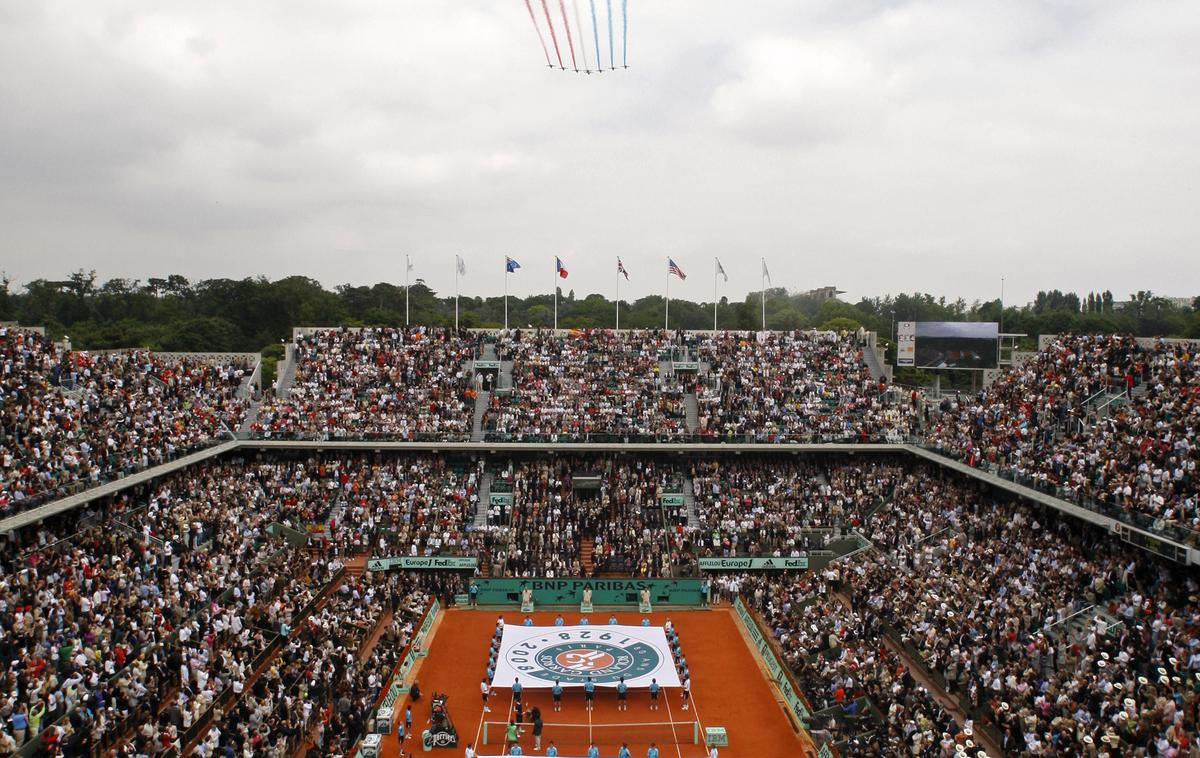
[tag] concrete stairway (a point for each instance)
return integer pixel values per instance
(251, 416)
(587, 548)
(691, 410)
(505, 380)
(872, 361)
(287, 373)
(485, 496)
(481, 403)
(689, 504)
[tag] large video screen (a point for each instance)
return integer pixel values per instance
(948, 344)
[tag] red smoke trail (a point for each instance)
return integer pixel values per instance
(537, 29)
(562, 6)
(553, 36)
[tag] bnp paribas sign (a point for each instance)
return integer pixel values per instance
(753, 564)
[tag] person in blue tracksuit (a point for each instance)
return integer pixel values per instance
(557, 692)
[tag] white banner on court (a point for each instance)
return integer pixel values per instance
(540, 655)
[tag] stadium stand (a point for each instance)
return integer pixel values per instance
(212, 609)
(794, 386)
(593, 384)
(374, 383)
(1103, 421)
(70, 419)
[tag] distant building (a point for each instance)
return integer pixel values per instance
(1178, 302)
(821, 294)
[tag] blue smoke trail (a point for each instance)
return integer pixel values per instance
(610, 36)
(625, 33)
(596, 34)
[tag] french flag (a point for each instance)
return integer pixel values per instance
(559, 267)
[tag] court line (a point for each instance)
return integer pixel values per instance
(699, 723)
(674, 736)
(479, 729)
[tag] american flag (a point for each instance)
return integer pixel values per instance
(673, 268)
(621, 269)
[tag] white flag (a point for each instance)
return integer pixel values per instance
(407, 261)
(462, 267)
(766, 274)
(721, 269)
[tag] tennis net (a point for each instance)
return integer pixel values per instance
(570, 735)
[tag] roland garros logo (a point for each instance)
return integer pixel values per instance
(571, 657)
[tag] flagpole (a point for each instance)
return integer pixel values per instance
(715, 294)
(763, 277)
(618, 327)
(456, 260)
(407, 266)
(556, 294)
(667, 311)
(506, 295)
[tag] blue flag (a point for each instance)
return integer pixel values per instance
(510, 265)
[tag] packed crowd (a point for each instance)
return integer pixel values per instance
(321, 690)
(795, 386)
(71, 417)
(1055, 421)
(145, 633)
(984, 594)
(615, 504)
(784, 508)
(865, 699)
(584, 384)
(410, 383)
(123, 639)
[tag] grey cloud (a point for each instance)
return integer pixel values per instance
(880, 146)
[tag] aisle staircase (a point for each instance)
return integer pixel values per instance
(481, 403)
(871, 358)
(586, 548)
(689, 503)
(691, 411)
(287, 372)
(485, 496)
(251, 416)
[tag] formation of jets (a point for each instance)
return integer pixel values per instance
(588, 70)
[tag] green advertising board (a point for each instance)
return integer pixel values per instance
(775, 669)
(418, 562)
(671, 501)
(500, 498)
(738, 563)
(504, 591)
(484, 365)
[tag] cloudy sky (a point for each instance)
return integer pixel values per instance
(879, 146)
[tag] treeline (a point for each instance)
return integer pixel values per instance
(252, 314)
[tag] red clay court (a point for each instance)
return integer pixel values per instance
(728, 689)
